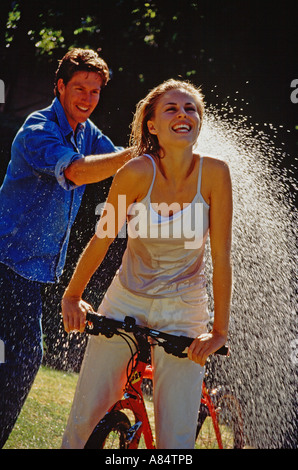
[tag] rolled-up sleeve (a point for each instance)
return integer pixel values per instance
(47, 154)
(61, 165)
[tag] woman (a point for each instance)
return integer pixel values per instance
(166, 189)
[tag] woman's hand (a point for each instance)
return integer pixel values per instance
(74, 311)
(204, 345)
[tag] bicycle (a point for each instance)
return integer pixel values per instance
(219, 418)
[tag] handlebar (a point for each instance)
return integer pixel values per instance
(172, 344)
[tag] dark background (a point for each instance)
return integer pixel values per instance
(235, 49)
(249, 47)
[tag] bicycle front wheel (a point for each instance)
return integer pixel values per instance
(110, 433)
(229, 418)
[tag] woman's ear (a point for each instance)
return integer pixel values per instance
(151, 127)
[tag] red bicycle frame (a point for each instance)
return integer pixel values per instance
(133, 400)
(206, 400)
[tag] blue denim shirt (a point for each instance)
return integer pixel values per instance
(38, 204)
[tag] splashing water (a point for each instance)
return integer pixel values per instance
(263, 364)
(262, 367)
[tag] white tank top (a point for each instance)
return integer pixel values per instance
(165, 255)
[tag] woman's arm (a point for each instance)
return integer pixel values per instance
(221, 208)
(74, 309)
(129, 183)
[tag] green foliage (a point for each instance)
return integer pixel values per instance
(12, 23)
(49, 40)
(134, 25)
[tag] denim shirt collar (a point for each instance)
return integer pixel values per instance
(62, 119)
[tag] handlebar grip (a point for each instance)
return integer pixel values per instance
(222, 351)
(96, 324)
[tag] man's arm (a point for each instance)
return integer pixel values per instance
(94, 168)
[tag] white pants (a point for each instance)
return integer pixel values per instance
(177, 382)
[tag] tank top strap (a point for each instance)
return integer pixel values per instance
(200, 176)
(154, 173)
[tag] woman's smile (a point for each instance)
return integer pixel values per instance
(182, 127)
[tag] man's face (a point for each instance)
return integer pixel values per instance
(79, 96)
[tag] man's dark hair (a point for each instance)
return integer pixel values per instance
(80, 60)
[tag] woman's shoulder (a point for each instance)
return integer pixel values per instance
(137, 167)
(214, 162)
(215, 166)
(137, 173)
(215, 177)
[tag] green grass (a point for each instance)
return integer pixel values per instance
(43, 418)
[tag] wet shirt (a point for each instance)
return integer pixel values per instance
(38, 204)
(165, 255)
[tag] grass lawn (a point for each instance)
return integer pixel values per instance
(43, 418)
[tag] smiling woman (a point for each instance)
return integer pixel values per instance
(161, 279)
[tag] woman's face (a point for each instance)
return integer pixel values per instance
(176, 119)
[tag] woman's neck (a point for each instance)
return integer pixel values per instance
(176, 165)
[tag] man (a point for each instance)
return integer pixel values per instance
(55, 153)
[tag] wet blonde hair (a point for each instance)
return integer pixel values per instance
(140, 138)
